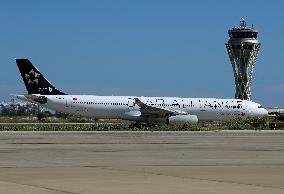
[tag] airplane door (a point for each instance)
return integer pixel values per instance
(131, 103)
(68, 102)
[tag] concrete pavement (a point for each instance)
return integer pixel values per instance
(142, 162)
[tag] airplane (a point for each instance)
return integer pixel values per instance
(169, 110)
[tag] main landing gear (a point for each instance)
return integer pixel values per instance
(141, 125)
(136, 125)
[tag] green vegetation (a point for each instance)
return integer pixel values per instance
(48, 122)
(44, 117)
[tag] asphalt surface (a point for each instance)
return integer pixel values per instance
(142, 162)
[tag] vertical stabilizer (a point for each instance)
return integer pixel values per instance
(34, 80)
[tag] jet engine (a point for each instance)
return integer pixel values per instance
(182, 119)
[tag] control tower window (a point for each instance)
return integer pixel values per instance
(244, 35)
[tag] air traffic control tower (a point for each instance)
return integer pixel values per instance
(243, 48)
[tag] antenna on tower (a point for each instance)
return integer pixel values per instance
(243, 23)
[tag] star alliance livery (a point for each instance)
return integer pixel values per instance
(168, 110)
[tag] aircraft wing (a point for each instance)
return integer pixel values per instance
(147, 110)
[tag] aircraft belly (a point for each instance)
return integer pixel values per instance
(104, 113)
(208, 115)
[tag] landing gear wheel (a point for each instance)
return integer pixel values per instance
(135, 125)
(132, 126)
(168, 121)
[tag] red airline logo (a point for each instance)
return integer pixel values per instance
(75, 98)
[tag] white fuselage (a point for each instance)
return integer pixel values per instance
(124, 107)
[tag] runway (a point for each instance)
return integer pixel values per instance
(142, 162)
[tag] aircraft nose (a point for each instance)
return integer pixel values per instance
(259, 112)
(264, 112)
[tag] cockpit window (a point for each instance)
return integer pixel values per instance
(259, 106)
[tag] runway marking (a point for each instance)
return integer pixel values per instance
(209, 165)
(37, 186)
(50, 143)
(194, 178)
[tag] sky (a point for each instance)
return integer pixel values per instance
(143, 48)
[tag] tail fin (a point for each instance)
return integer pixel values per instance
(34, 80)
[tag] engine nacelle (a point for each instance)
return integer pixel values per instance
(132, 116)
(182, 119)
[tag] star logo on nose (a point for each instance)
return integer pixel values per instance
(32, 77)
